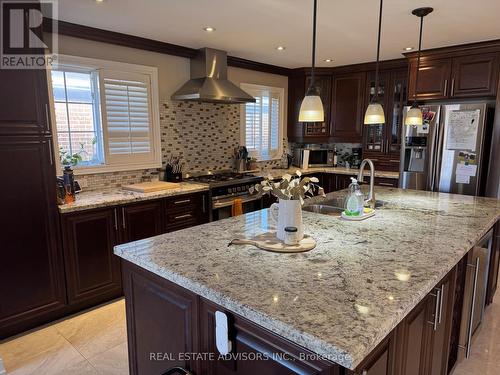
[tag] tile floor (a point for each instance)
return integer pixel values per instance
(94, 343)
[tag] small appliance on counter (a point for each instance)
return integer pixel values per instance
(241, 159)
(313, 157)
(67, 188)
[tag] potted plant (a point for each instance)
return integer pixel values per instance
(291, 192)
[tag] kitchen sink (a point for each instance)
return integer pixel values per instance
(324, 209)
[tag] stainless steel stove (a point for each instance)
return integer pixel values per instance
(225, 187)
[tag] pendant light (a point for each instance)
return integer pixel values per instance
(414, 115)
(375, 112)
(311, 109)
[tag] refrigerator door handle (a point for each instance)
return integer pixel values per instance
(436, 173)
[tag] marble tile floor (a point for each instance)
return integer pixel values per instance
(91, 343)
(94, 343)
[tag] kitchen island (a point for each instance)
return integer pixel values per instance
(339, 301)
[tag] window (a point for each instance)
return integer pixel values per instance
(262, 122)
(107, 114)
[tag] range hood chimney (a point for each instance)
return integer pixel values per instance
(209, 81)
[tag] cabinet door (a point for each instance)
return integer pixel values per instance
(249, 340)
(413, 335)
(433, 79)
(320, 129)
(140, 221)
(494, 266)
(474, 76)
(347, 107)
(440, 338)
(395, 105)
(24, 106)
(374, 138)
(382, 360)
(162, 320)
(31, 269)
(92, 270)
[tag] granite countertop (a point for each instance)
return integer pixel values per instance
(277, 173)
(111, 197)
(342, 298)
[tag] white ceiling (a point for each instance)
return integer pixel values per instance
(251, 29)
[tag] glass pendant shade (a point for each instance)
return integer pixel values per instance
(311, 109)
(374, 114)
(414, 116)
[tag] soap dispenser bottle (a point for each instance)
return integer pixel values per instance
(355, 199)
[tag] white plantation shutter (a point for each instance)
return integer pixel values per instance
(127, 114)
(262, 122)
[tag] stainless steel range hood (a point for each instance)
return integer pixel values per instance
(209, 81)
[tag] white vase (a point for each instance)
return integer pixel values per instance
(287, 213)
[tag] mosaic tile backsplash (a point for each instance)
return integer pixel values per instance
(204, 135)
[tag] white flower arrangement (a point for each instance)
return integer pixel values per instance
(290, 187)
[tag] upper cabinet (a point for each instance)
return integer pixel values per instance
(465, 76)
(320, 129)
(348, 107)
(25, 105)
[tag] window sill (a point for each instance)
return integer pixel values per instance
(79, 171)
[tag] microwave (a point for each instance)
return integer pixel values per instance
(309, 157)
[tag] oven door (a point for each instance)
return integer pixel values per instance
(222, 208)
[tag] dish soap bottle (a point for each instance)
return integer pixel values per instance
(355, 199)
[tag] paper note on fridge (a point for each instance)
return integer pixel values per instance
(462, 179)
(466, 170)
(462, 130)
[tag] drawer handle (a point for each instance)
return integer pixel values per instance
(183, 201)
(385, 184)
(182, 216)
(394, 161)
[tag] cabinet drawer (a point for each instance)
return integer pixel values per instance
(186, 202)
(179, 220)
(383, 181)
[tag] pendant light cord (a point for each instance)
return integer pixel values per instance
(418, 57)
(313, 44)
(375, 98)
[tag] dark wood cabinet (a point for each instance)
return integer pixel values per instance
(92, 270)
(162, 321)
(141, 220)
(347, 107)
(186, 211)
(32, 287)
(494, 265)
(433, 79)
(280, 357)
(382, 142)
(25, 103)
(382, 360)
(459, 76)
(424, 335)
(474, 75)
(320, 129)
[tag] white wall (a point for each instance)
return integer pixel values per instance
(173, 71)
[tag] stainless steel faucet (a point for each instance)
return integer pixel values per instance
(371, 195)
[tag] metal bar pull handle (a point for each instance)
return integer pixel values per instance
(123, 218)
(445, 87)
(437, 310)
(441, 304)
(204, 207)
(182, 201)
(472, 307)
(452, 86)
(116, 219)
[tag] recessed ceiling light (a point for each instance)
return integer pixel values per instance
(280, 48)
(209, 29)
(99, 1)
(328, 60)
(408, 48)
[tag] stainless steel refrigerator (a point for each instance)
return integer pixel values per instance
(449, 152)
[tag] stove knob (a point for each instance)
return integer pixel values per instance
(238, 188)
(230, 190)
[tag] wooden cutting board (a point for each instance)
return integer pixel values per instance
(149, 187)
